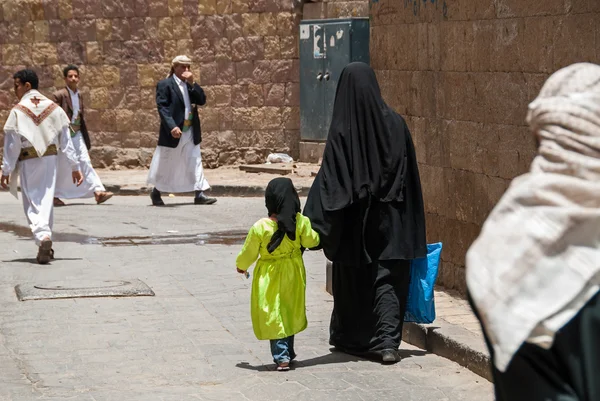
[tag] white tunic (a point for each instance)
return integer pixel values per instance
(91, 181)
(38, 177)
(179, 169)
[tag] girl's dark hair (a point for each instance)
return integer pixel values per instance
(27, 76)
(68, 68)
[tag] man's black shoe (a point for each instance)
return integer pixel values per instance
(156, 198)
(390, 356)
(202, 199)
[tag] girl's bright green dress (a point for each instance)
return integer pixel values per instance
(278, 287)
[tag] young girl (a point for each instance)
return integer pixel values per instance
(278, 287)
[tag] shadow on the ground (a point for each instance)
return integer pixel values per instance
(78, 204)
(334, 357)
(33, 261)
(180, 204)
(408, 353)
(258, 368)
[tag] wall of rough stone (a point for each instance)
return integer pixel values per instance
(320, 9)
(245, 56)
(463, 73)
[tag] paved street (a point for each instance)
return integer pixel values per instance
(194, 339)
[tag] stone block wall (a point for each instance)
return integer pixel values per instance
(321, 9)
(245, 55)
(462, 72)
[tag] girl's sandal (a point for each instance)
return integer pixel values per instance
(283, 367)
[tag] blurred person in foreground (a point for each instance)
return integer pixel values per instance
(534, 272)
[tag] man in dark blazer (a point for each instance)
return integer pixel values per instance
(177, 162)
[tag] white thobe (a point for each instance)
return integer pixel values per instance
(38, 179)
(179, 169)
(91, 181)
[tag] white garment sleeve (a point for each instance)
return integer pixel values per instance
(66, 146)
(12, 151)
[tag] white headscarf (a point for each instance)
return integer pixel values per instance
(538, 253)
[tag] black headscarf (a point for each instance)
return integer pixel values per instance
(366, 200)
(282, 200)
(364, 153)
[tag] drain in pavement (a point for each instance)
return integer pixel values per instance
(83, 289)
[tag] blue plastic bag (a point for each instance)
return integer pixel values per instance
(420, 307)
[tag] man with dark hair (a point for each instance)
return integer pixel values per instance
(23, 77)
(70, 67)
(177, 162)
(71, 102)
(36, 127)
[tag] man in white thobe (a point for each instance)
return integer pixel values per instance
(35, 131)
(71, 102)
(177, 162)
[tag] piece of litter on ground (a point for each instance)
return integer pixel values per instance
(15, 251)
(172, 231)
(171, 195)
(279, 158)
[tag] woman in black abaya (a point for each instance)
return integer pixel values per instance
(367, 206)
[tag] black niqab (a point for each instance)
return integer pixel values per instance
(366, 201)
(365, 154)
(282, 200)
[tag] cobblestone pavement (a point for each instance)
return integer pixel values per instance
(194, 339)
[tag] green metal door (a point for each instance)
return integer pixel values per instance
(326, 47)
(312, 96)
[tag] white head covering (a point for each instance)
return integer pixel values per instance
(539, 249)
(183, 59)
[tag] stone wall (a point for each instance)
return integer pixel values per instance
(463, 73)
(245, 55)
(320, 9)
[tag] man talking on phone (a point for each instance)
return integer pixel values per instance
(177, 162)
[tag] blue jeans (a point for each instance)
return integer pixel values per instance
(283, 349)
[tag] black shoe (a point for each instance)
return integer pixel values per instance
(202, 199)
(390, 356)
(156, 199)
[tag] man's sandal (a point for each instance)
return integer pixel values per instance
(45, 252)
(103, 197)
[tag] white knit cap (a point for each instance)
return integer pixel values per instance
(183, 59)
